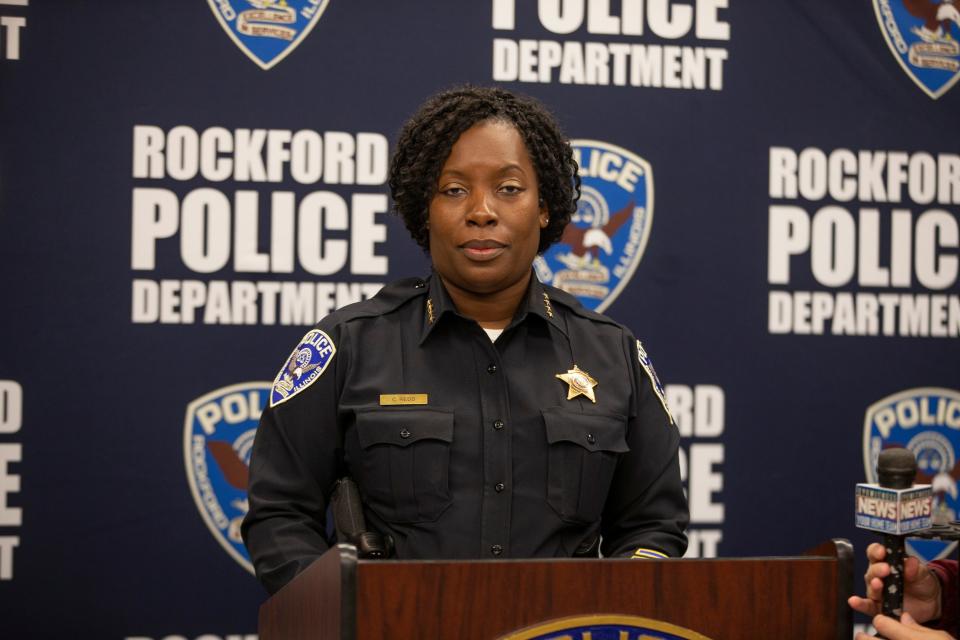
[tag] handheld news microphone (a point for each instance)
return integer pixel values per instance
(896, 469)
(894, 508)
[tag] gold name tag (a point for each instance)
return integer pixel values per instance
(387, 399)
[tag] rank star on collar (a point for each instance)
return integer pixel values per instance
(581, 384)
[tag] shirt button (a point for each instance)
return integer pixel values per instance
(405, 434)
(496, 549)
(492, 368)
(590, 438)
(500, 487)
(498, 424)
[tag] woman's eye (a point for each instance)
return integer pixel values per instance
(511, 189)
(453, 191)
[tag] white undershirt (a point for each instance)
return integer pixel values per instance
(493, 333)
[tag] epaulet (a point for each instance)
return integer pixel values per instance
(570, 302)
(390, 298)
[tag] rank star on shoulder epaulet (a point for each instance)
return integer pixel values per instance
(580, 383)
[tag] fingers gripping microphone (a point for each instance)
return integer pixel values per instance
(894, 508)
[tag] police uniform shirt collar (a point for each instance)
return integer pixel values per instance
(438, 303)
(538, 302)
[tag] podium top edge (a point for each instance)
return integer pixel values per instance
(502, 561)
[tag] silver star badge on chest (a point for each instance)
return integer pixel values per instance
(580, 383)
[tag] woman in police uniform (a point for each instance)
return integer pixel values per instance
(481, 413)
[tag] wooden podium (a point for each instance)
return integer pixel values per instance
(341, 598)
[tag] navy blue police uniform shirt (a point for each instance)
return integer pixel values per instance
(463, 447)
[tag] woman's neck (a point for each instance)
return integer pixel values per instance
(490, 310)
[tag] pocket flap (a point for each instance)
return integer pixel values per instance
(594, 432)
(402, 427)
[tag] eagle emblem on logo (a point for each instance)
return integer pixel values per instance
(218, 435)
(922, 35)
(602, 245)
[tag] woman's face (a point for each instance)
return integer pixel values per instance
(485, 218)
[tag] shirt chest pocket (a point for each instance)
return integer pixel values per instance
(582, 456)
(405, 462)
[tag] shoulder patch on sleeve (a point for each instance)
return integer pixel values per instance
(307, 363)
(647, 365)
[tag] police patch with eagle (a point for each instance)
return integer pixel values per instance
(307, 363)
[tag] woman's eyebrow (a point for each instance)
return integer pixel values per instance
(512, 166)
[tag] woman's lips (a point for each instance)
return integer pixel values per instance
(482, 250)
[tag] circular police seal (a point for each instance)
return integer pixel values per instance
(927, 422)
(218, 434)
(602, 246)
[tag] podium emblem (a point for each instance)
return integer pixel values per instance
(927, 422)
(604, 627)
(267, 30)
(601, 247)
(218, 434)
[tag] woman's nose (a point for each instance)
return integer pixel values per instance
(482, 211)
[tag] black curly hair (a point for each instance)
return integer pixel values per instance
(426, 139)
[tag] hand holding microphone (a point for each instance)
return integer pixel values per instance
(896, 584)
(921, 593)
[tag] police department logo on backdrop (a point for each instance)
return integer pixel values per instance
(267, 30)
(605, 627)
(923, 37)
(217, 439)
(927, 422)
(602, 246)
